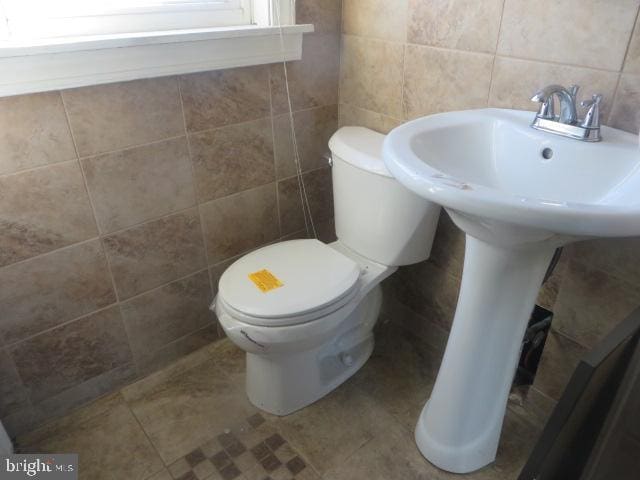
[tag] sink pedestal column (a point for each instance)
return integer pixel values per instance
(459, 428)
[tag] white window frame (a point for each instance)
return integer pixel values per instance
(28, 66)
(78, 18)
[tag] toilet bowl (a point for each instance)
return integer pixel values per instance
(304, 311)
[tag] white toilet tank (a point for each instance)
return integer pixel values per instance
(375, 215)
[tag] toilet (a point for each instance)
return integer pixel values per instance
(304, 311)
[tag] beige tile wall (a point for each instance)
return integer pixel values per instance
(403, 59)
(121, 205)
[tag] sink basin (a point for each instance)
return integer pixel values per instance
(491, 163)
(518, 194)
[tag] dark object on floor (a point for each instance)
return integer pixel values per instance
(532, 346)
(568, 439)
(553, 264)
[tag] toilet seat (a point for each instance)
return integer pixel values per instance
(316, 281)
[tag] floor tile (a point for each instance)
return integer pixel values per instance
(194, 416)
(517, 441)
(245, 452)
(108, 439)
(181, 412)
(331, 429)
(161, 475)
(389, 455)
(229, 358)
(400, 374)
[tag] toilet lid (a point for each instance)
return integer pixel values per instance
(280, 284)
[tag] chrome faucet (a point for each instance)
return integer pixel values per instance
(567, 123)
(568, 113)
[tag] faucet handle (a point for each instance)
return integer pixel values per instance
(545, 93)
(592, 118)
(573, 90)
(547, 110)
(595, 100)
(544, 97)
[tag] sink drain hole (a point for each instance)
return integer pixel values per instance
(547, 153)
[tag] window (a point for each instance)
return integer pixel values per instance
(56, 44)
(28, 20)
(37, 19)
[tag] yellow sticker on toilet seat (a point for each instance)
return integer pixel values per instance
(265, 280)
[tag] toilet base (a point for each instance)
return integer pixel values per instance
(281, 386)
(281, 383)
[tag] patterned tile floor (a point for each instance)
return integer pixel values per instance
(192, 421)
(249, 451)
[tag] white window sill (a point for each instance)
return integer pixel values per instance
(69, 63)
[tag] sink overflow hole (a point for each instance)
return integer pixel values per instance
(547, 153)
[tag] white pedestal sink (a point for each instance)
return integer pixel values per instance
(518, 193)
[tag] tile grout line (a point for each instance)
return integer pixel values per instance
(340, 34)
(495, 54)
(144, 431)
(175, 341)
(566, 335)
(303, 110)
(352, 105)
(130, 147)
(92, 156)
(474, 52)
(67, 322)
(106, 307)
(150, 220)
(147, 144)
(385, 409)
(403, 106)
(273, 113)
(407, 17)
(35, 168)
(634, 30)
(313, 170)
(100, 237)
(153, 289)
(119, 392)
(275, 150)
(614, 100)
(93, 210)
(30, 407)
(195, 189)
(610, 273)
(346, 459)
(44, 254)
(209, 355)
